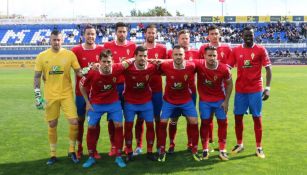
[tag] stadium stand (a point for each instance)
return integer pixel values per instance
(25, 41)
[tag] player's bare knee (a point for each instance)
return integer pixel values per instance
(118, 124)
(163, 120)
(53, 123)
(73, 121)
(192, 120)
(91, 126)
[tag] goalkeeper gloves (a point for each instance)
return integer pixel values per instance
(85, 70)
(39, 100)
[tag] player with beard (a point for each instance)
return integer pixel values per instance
(214, 98)
(138, 94)
(54, 65)
(177, 96)
(190, 54)
(249, 58)
(121, 49)
(87, 54)
(103, 99)
(154, 51)
(223, 54)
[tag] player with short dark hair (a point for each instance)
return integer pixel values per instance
(177, 96)
(54, 64)
(121, 49)
(137, 94)
(154, 51)
(103, 99)
(190, 54)
(249, 58)
(87, 53)
(213, 98)
(223, 54)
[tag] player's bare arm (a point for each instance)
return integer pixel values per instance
(266, 92)
(85, 96)
(228, 90)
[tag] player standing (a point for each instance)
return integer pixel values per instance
(55, 64)
(177, 96)
(190, 54)
(121, 49)
(87, 54)
(249, 59)
(223, 54)
(137, 94)
(214, 98)
(103, 99)
(154, 51)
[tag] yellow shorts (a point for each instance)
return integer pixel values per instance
(53, 107)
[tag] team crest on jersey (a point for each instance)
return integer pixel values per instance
(185, 77)
(83, 58)
(107, 87)
(114, 79)
(241, 56)
(147, 77)
(55, 70)
(172, 77)
(128, 51)
(247, 64)
(139, 85)
(252, 55)
(222, 54)
(215, 77)
(115, 52)
(190, 58)
(177, 86)
(156, 55)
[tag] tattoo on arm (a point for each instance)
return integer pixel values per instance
(37, 79)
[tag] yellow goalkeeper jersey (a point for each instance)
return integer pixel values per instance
(56, 72)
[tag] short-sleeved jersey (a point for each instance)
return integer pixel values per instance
(210, 84)
(137, 89)
(85, 57)
(223, 52)
(158, 52)
(56, 71)
(120, 52)
(190, 55)
(177, 89)
(103, 87)
(249, 62)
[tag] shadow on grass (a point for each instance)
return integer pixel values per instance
(180, 161)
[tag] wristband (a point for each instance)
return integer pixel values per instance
(37, 92)
(267, 88)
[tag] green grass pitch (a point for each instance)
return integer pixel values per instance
(24, 146)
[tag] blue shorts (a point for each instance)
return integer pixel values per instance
(179, 113)
(113, 110)
(81, 105)
(157, 103)
(251, 101)
(187, 109)
(144, 111)
(207, 108)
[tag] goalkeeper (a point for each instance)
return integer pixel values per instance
(55, 64)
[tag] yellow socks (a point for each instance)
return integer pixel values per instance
(52, 136)
(73, 132)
